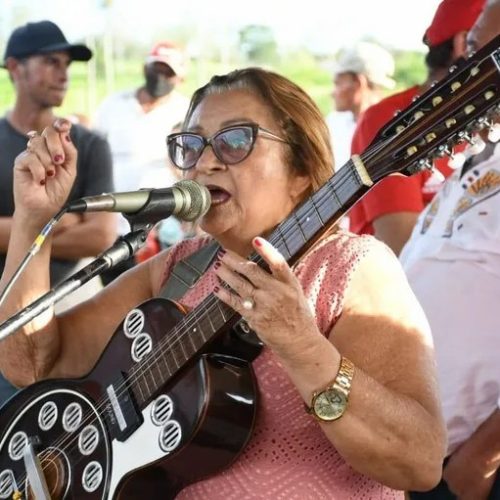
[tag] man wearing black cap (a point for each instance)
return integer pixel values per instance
(37, 58)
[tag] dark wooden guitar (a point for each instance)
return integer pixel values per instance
(173, 397)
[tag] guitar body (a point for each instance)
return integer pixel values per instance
(97, 437)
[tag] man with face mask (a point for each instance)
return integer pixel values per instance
(136, 123)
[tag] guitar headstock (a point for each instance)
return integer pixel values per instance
(451, 112)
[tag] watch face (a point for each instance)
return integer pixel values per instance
(330, 404)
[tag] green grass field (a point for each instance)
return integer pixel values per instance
(87, 91)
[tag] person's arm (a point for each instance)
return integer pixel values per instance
(86, 235)
(5, 223)
(472, 468)
(91, 235)
(395, 229)
(394, 403)
(68, 345)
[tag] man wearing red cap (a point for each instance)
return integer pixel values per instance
(391, 208)
(136, 123)
(452, 261)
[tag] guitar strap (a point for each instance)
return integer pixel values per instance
(188, 271)
(243, 342)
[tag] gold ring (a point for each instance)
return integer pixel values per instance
(32, 133)
(248, 303)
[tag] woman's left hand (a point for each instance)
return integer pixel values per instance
(272, 303)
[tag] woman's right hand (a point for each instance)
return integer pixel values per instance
(44, 173)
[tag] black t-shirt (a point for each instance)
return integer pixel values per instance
(94, 176)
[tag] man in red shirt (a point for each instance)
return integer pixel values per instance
(390, 209)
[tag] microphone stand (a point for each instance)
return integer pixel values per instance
(122, 249)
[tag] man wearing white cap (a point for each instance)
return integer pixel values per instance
(136, 123)
(362, 75)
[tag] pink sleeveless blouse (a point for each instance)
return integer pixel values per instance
(288, 457)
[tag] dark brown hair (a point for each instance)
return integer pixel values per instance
(300, 120)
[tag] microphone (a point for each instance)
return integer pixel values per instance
(187, 200)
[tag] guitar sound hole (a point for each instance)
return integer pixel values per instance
(55, 470)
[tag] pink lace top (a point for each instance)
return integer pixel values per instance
(288, 456)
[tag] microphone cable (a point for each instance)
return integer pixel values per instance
(33, 250)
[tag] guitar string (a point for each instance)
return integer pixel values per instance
(288, 224)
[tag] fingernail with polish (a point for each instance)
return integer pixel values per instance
(58, 158)
(42, 182)
(258, 242)
(68, 138)
(216, 289)
(50, 173)
(61, 122)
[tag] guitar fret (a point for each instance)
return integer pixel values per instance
(165, 363)
(191, 339)
(221, 311)
(139, 387)
(335, 193)
(299, 225)
(313, 203)
(284, 247)
(198, 331)
(145, 378)
(156, 364)
(309, 220)
(181, 345)
(143, 386)
(211, 323)
(173, 357)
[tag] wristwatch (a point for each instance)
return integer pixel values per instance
(330, 403)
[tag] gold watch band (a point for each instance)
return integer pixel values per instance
(344, 377)
(342, 382)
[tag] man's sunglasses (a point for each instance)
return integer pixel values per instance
(230, 145)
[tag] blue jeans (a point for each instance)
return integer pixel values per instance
(7, 390)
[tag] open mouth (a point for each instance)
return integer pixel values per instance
(218, 194)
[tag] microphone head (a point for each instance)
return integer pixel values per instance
(196, 199)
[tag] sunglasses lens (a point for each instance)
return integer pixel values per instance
(185, 150)
(234, 145)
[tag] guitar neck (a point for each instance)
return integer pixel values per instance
(308, 223)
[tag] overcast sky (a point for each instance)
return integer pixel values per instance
(322, 25)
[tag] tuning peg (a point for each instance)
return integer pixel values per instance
(494, 132)
(443, 150)
(482, 122)
(425, 163)
(464, 136)
(457, 160)
(477, 145)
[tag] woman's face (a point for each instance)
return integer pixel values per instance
(253, 196)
